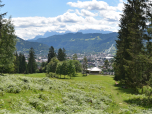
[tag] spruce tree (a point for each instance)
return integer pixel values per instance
(130, 55)
(51, 53)
(16, 63)
(7, 44)
(22, 63)
(60, 55)
(32, 66)
(63, 54)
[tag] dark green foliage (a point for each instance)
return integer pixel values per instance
(7, 44)
(52, 65)
(24, 46)
(78, 66)
(16, 63)
(32, 66)
(59, 70)
(65, 68)
(61, 54)
(22, 63)
(132, 60)
(68, 68)
(43, 67)
(78, 42)
(71, 69)
(51, 53)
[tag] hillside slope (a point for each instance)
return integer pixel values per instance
(24, 46)
(79, 42)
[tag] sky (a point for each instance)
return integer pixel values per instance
(35, 17)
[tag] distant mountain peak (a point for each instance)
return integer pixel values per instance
(48, 34)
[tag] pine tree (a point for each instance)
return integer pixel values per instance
(63, 54)
(22, 63)
(60, 55)
(7, 45)
(16, 63)
(51, 53)
(32, 66)
(129, 56)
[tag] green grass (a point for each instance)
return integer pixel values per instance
(36, 75)
(121, 96)
(97, 85)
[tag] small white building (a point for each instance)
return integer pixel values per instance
(94, 70)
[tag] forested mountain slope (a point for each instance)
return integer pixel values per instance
(24, 46)
(79, 42)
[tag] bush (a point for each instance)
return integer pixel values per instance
(51, 75)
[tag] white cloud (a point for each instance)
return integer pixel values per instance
(69, 18)
(86, 13)
(92, 5)
(110, 15)
(106, 18)
(51, 24)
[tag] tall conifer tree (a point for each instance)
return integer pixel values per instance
(7, 43)
(51, 53)
(22, 63)
(32, 66)
(60, 54)
(16, 63)
(129, 56)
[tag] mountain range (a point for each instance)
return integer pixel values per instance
(48, 34)
(79, 42)
(72, 42)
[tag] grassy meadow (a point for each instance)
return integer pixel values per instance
(92, 94)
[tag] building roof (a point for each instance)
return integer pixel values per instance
(89, 69)
(94, 69)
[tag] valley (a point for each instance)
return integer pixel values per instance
(72, 42)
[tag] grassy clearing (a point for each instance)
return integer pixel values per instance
(92, 94)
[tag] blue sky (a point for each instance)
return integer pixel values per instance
(35, 17)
